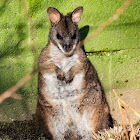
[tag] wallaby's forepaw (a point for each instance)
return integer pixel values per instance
(60, 74)
(68, 77)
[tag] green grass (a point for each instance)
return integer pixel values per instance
(116, 49)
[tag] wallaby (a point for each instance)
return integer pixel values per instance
(71, 103)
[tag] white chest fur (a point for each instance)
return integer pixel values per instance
(57, 89)
(63, 62)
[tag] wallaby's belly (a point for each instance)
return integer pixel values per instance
(66, 97)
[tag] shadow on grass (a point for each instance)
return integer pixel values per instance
(3, 7)
(12, 43)
(83, 34)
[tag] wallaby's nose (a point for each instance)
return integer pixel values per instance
(67, 45)
(67, 48)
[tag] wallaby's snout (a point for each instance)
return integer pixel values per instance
(69, 44)
(67, 48)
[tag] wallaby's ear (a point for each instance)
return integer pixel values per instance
(76, 14)
(54, 15)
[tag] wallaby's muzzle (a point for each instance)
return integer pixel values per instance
(67, 48)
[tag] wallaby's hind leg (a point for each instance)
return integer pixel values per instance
(101, 118)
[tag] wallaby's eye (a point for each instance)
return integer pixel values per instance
(74, 36)
(59, 36)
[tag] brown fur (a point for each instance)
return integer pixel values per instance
(89, 99)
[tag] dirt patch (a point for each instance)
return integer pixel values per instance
(131, 97)
(29, 129)
(21, 130)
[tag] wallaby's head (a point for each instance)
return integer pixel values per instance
(64, 31)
